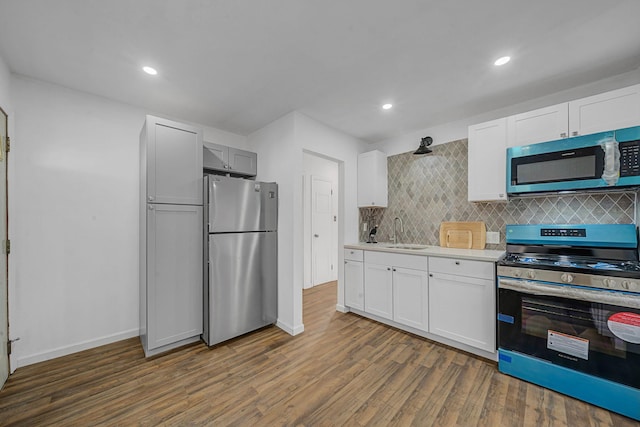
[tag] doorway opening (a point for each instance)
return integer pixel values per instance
(320, 212)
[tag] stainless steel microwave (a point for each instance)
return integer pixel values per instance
(603, 160)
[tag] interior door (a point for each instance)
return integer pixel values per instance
(321, 229)
(4, 304)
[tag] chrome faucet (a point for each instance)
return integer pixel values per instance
(395, 237)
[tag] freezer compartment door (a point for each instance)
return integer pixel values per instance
(236, 204)
(242, 291)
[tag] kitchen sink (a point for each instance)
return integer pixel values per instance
(406, 246)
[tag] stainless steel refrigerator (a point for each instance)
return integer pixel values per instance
(240, 254)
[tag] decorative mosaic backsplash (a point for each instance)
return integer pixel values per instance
(426, 190)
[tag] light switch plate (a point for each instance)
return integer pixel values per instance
(493, 237)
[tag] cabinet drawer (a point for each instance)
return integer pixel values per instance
(462, 267)
(353, 254)
(415, 262)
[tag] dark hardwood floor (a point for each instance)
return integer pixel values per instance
(343, 370)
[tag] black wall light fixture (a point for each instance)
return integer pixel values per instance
(422, 149)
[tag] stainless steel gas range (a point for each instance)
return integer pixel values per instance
(569, 311)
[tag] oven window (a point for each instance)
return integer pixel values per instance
(574, 323)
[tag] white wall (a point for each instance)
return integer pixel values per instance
(458, 130)
(316, 166)
(316, 137)
(280, 147)
(5, 83)
(280, 161)
(74, 219)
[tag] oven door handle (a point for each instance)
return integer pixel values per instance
(598, 296)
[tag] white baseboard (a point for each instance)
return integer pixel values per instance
(74, 348)
(341, 308)
(291, 330)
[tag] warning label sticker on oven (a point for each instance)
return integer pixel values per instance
(625, 326)
(568, 344)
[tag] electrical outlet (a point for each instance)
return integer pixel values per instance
(493, 237)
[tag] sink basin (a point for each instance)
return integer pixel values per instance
(406, 246)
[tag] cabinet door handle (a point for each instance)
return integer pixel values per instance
(388, 268)
(151, 198)
(574, 133)
(317, 235)
(150, 207)
(457, 262)
(430, 275)
(394, 269)
(563, 135)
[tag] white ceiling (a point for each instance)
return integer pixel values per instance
(240, 64)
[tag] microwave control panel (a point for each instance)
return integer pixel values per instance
(630, 158)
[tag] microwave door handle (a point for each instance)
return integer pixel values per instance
(611, 172)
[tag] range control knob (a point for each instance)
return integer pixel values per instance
(531, 274)
(517, 273)
(609, 283)
(566, 277)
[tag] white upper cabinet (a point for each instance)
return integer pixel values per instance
(487, 161)
(616, 109)
(231, 160)
(488, 141)
(372, 179)
(171, 156)
(544, 124)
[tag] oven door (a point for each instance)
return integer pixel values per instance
(596, 332)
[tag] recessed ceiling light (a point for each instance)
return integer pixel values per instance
(502, 61)
(387, 106)
(150, 70)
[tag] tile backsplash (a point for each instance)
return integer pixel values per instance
(426, 190)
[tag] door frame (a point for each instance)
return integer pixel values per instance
(5, 238)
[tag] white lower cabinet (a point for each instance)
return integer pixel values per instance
(354, 278)
(378, 290)
(396, 288)
(462, 305)
(410, 297)
(449, 300)
(171, 291)
(354, 284)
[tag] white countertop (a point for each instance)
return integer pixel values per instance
(473, 254)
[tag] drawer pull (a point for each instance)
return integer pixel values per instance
(457, 262)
